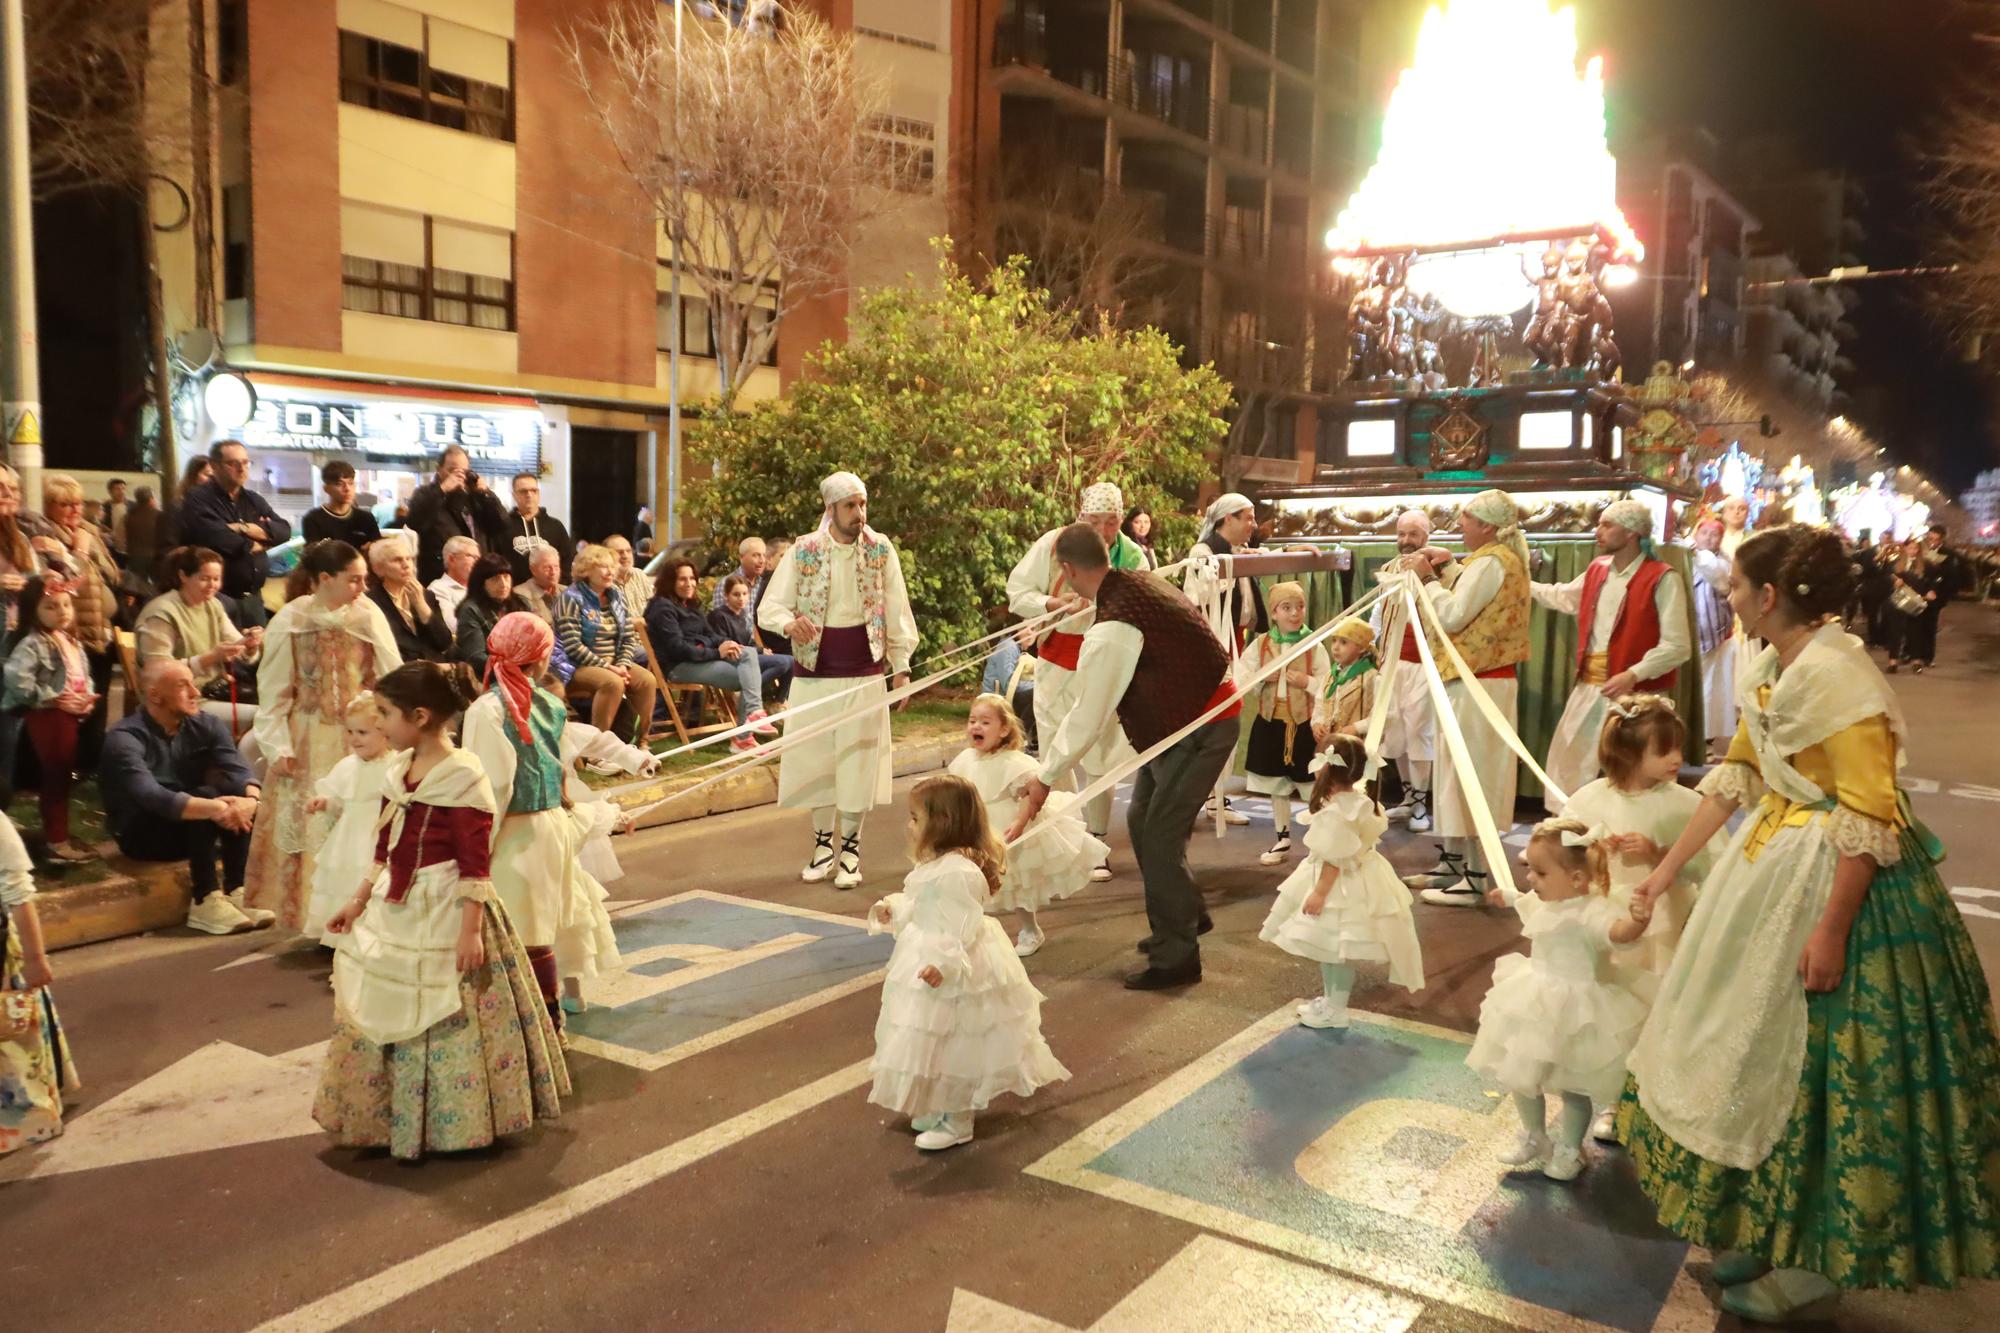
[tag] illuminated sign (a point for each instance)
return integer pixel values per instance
(503, 439)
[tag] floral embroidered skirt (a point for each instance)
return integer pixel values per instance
(1888, 1172)
(492, 1068)
(35, 1067)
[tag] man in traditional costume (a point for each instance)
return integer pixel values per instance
(1034, 589)
(1151, 665)
(1485, 611)
(839, 596)
(1409, 734)
(1715, 635)
(1632, 612)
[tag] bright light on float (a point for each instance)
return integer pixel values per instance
(1492, 136)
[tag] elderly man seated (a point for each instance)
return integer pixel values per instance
(750, 566)
(449, 587)
(177, 789)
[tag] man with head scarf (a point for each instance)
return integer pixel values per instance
(839, 596)
(1715, 633)
(1035, 588)
(1409, 736)
(1229, 525)
(1633, 635)
(1486, 613)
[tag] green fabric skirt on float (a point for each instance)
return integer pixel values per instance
(1888, 1171)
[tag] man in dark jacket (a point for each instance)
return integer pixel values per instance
(454, 503)
(530, 526)
(238, 524)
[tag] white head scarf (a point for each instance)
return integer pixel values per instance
(1633, 517)
(1227, 505)
(1419, 515)
(841, 486)
(1103, 498)
(1498, 509)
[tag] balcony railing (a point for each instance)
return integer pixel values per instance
(1182, 104)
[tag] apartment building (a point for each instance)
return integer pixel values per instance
(1226, 131)
(421, 239)
(1688, 307)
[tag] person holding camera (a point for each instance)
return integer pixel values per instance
(454, 503)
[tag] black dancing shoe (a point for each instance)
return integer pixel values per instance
(1156, 978)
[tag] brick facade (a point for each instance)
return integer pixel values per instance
(294, 150)
(584, 249)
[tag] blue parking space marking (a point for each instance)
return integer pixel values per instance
(701, 969)
(1373, 1151)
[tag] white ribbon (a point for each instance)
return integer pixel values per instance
(1590, 837)
(1107, 781)
(729, 765)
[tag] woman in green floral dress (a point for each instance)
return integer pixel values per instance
(1816, 1096)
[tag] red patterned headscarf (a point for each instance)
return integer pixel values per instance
(521, 640)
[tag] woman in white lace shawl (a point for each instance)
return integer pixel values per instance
(1816, 1096)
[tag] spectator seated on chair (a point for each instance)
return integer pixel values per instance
(596, 634)
(190, 623)
(176, 788)
(633, 586)
(489, 595)
(732, 622)
(693, 653)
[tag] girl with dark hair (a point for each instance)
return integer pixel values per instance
(1813, 1097)
(1139, 526)
(489, 595)
(1344, 904)
(440, 1042)
(320, 651)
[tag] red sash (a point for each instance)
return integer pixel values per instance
(1062, 650)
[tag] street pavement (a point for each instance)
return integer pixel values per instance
(1210, 1165)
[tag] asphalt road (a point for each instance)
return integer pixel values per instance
(1209, 1165)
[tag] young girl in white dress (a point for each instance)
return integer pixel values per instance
(1281, 738)
(1345, 904)
(352, 794)
(1551, 1024)
(1642, 808)
(961, 1023)
(1058, 860)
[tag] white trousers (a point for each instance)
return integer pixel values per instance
(848, 767)
(1718, 689)
(1496, 769)
(1572, 759)
(1410, 730)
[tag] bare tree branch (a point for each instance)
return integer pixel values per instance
(1095, 248)
(757, 148)
(87, 122)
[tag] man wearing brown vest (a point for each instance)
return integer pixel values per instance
(1149, 663)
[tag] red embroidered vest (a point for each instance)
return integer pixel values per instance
(1182, 670)
(1638, 629)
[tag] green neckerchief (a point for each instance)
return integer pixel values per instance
(1284, 640)
(1126, 554)
(1358, 666)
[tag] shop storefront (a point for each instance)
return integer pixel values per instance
(393, 437)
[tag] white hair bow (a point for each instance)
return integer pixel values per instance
(1327, 759)
(1590, 837)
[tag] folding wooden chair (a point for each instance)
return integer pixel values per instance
(719, 701)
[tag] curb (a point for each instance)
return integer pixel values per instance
(759, 786)
(137, 897)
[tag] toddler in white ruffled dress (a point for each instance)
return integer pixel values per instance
(1552, 1022)
(1344, 904)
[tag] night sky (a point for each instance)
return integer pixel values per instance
(1856, 84)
